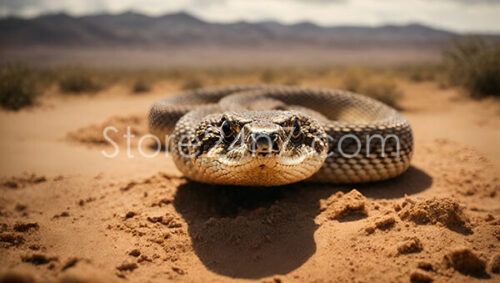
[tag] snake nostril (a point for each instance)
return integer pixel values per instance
(276, 146)
(263, 142)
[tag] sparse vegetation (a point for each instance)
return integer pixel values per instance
(352, 82)
(383, 90)
(420, 73)
(380, 88)
(475, 65)
(17, 87)
(268, 76)
(377, 83)
(78, 80)
(192, 83)
(141, 85)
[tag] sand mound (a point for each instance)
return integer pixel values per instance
(436, 210)
(345, 206)
(94, 134)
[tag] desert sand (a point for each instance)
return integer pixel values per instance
(69, 214)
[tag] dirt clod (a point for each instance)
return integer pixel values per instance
(445, 211)
(135, 253)
(410, 245)
(495, 264)
(38, 259)
(343, 206)
(420, 277)
(70, 263)
(24, 227)
(11, 238)
(465, 261)
(127, 266)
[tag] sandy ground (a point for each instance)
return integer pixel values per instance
(69, 214)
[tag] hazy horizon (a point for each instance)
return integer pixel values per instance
(453, 15)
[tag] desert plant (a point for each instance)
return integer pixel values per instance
(192, 83)
(17, 87)
(420, 73)
(475, 65)
(141, 85)
(268, 76)
(380, 88)
(352, 82)
(383, 90)
(77, 80)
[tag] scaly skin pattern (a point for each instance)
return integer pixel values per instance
(314, 134)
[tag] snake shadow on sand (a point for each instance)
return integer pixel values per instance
(257, 232)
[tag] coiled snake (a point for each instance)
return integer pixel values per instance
(276, 135)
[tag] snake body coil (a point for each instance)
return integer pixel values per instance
(276, 135)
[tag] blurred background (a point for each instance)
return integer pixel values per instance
(74, 47)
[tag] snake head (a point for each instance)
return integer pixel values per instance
(260, 148)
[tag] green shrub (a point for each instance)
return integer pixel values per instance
(475, 65)
(17, 87)
(141, 85)
(76, 81)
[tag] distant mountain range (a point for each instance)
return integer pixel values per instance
(133, 29)
(181, 30)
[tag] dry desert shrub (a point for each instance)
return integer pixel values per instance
(78, 80)
(192, 82)
(381, 88)
(474, 64)
(141, 86)
(17, 86)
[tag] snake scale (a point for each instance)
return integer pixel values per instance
(261, 135)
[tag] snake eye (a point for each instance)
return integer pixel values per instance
(226, 129)
(296, 130)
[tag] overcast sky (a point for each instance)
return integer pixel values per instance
(457, 15)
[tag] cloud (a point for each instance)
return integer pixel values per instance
(475, 2)
(479, 15)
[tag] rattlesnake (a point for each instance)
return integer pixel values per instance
(276, 135)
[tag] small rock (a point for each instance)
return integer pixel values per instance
(465, 261)
(345, 206)
(127, 266)
(178, 270)
(128, 186)
(11, 184)
(130, 214)
(135, 253)
(425, 266)
(411, 245)
(144, 258)
(370, 230)
(24, 227)
(11, 238)
(38, 259)
(20, 207)
(420, 276)
(385, 223)
(495, 264)
(70, 263)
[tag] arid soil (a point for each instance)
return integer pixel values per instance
(69, 214)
